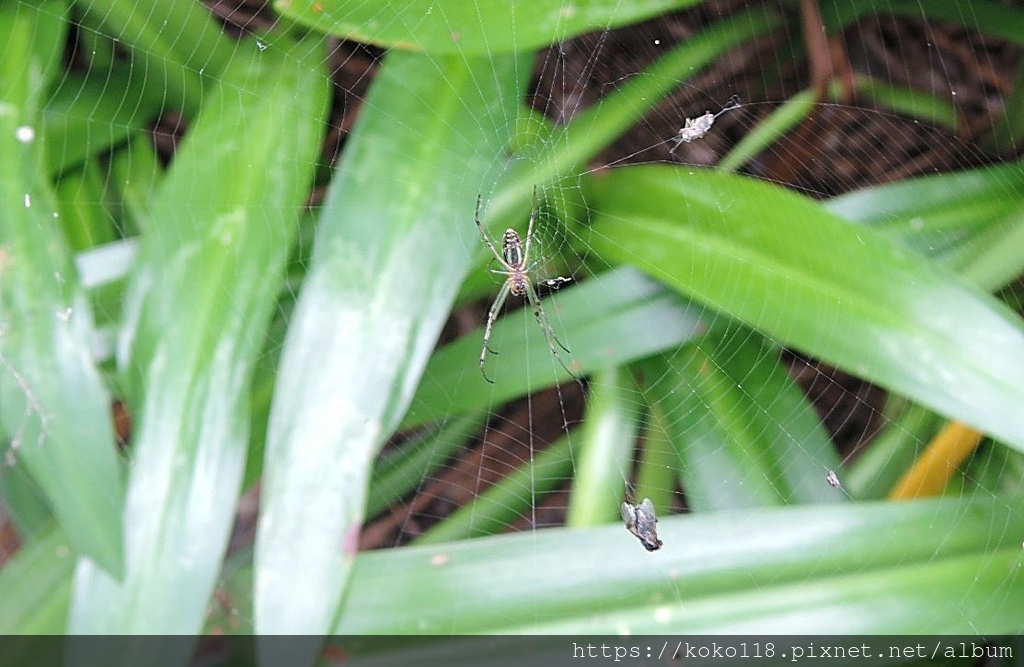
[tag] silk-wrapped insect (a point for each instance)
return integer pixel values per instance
(695, 128)
(642, 522)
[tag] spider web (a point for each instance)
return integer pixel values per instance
(517, 466)
(843, 144)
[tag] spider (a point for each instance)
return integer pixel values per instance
(695, 128)
(514, 259)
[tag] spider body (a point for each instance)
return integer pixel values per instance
(514, 259)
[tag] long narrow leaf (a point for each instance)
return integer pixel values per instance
(394, 243)
(839, 292)
(745, 432)
(608, 441)
(565, 152)
(87, 115)
(53, 404)
(468, 26)
(35, 585)
(200, 298)
(931, 566)
(971, 221)
(987, 16)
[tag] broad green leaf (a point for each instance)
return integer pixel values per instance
(657, 471)
(136, 172)
(468, 26)
(972, 221)
(611, 319)
(876, 568)
(53, 405)
(836, 291)
(873, 568)
(199, 301)
(745, 433)
(394, 243)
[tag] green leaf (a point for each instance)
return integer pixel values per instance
(608, 441)
(760, 571)
(23, 501)
(173, 32)
(394, 243)
(876, 470)
(565, 152)
(53, 404)
(174, 43)
(789, 114)
(745, 433)
(82, 203)
(401, 472)
(990, 17)
(510, 499)
(86, 115)
(199, 301)
(921, 106)
(971, 221)
(839, 292)
(656, 473)
(469, 27)
(35, 586)
(611, 319)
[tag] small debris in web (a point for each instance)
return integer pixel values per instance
(833, 478)
(556, 282)
(695, 128)
(641, 521)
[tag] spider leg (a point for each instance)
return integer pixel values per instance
(549, 333)
(483, 234)
(678, 139)
(529, 228)
(492, 315)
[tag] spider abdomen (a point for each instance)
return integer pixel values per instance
(512, 249)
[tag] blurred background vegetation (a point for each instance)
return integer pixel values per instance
(241, 299)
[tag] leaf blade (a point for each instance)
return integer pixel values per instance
(463, 26)
(203, 287)
(844, 294)
(389, 258)
(802, 560)
(52, 401)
